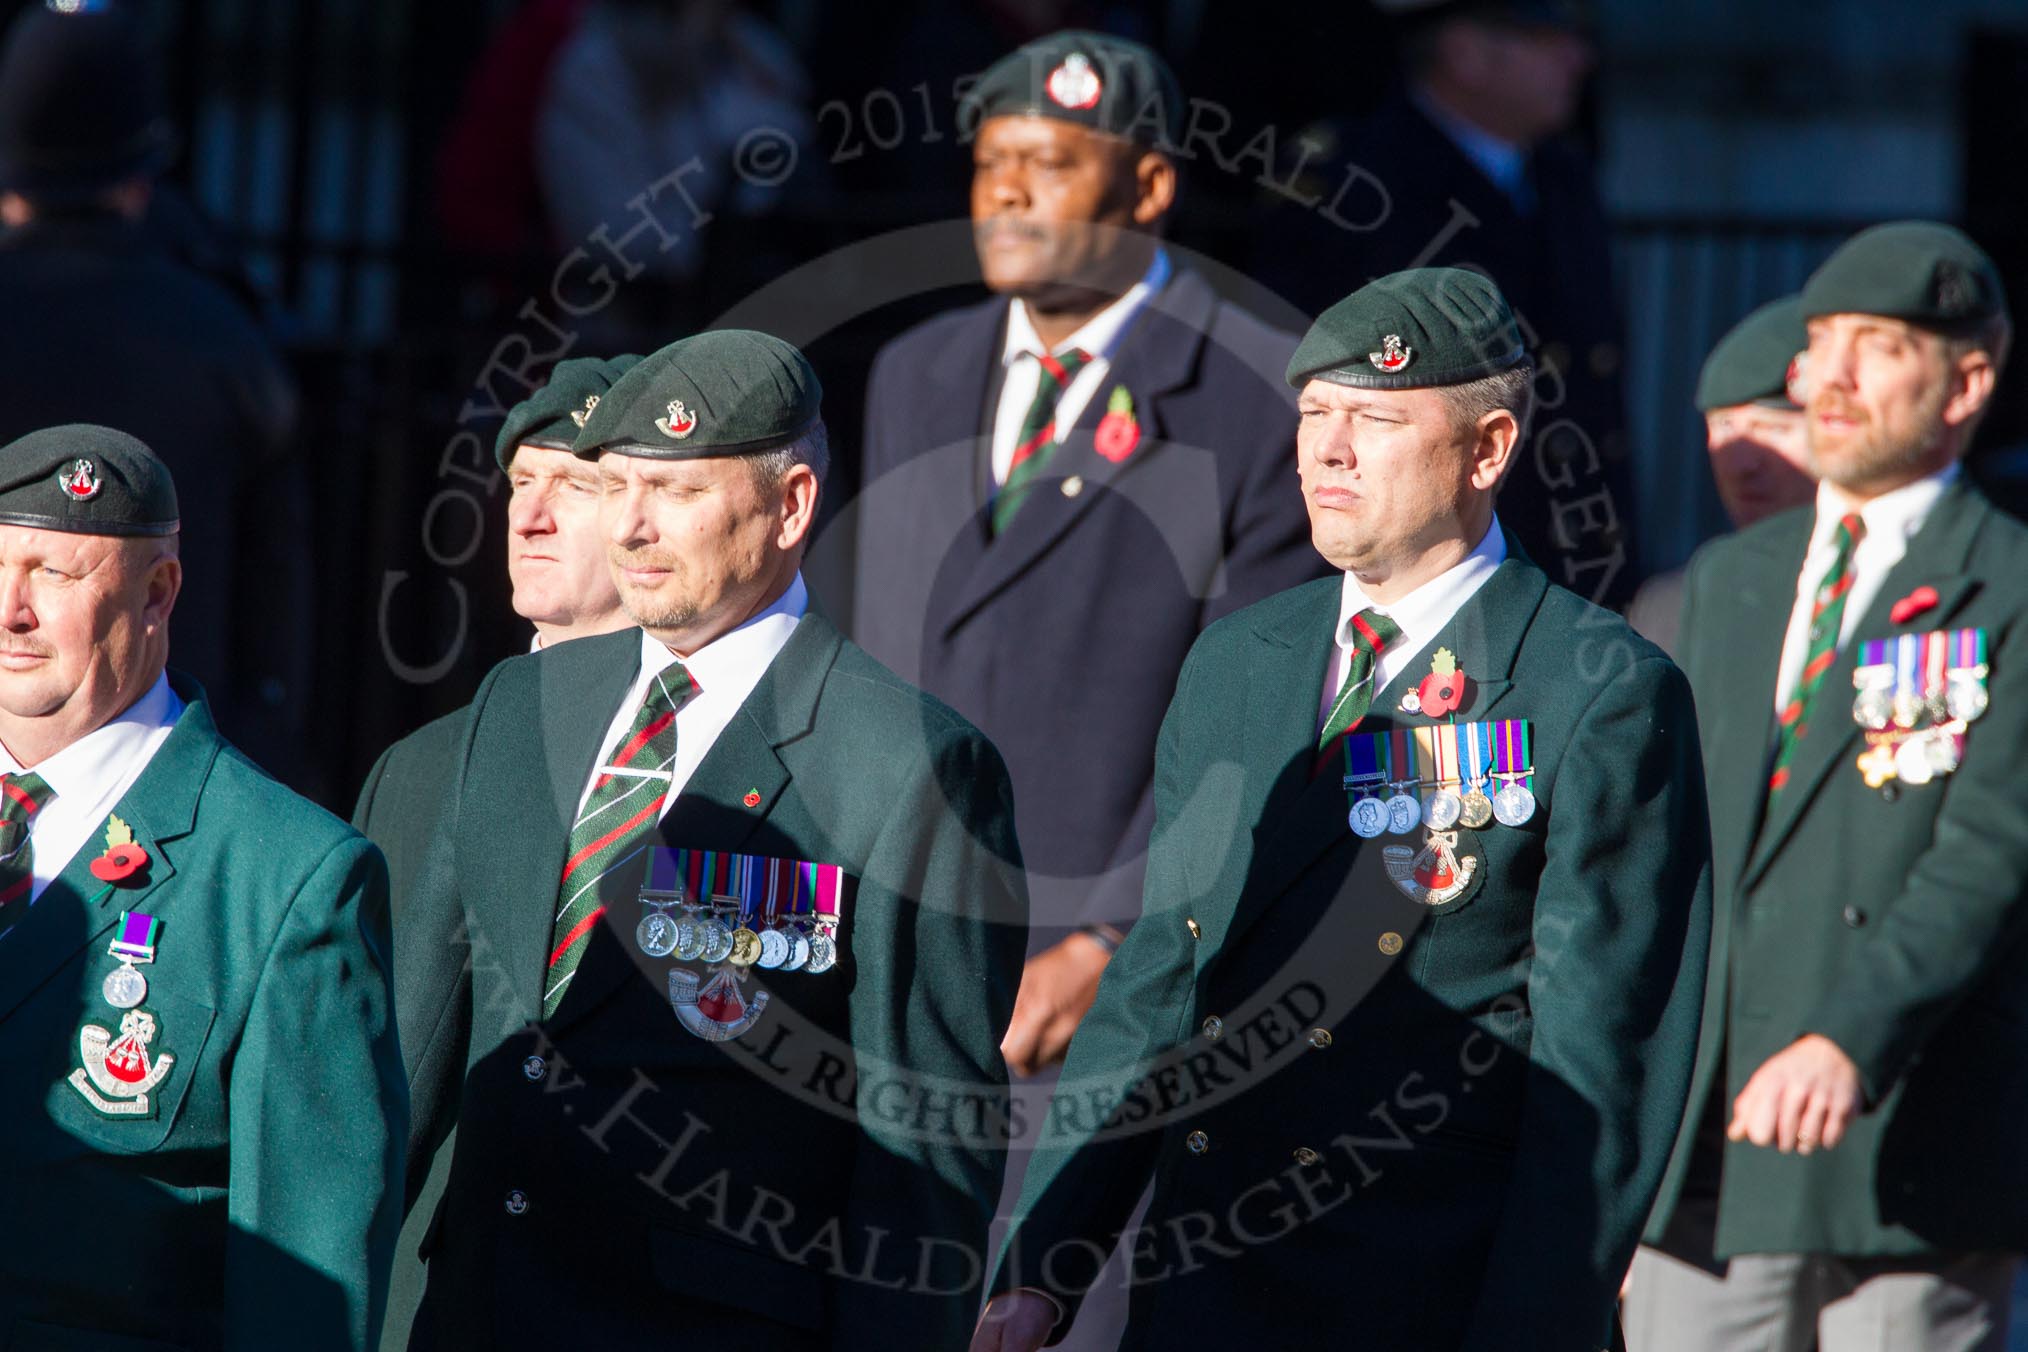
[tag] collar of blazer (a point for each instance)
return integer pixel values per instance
(577, 695)
(1157, 355)
(1303, 818)
(160, 807)
(1936, 557)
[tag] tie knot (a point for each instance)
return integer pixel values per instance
(22, 794)
(671, 689)
(1851, 529)
(1373, 631)
(1063, 367)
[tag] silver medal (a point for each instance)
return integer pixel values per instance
(823, 952)
(656, 934)
(125, 987)
(774, 949)
(799, 951)
(1368, 818)
(1873, 708)
(1943, 751)
(717, 940)
(1912, 763)
(1404, 813)
(1513, 804)
(689, 938)
(1966, 699)
(1443, 810)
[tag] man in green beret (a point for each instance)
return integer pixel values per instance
(205, 1107)
(745, 915)
(1409, 1021)
(1852, 1160)
(556, 561)
(1753, 428)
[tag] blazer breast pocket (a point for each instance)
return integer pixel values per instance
(122, 1075)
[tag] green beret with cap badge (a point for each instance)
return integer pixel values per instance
(1411, 330)
(1109, 84)
(1752, 362)
(1924, 272)
(550, 417)
(84, 479)
(722, 392)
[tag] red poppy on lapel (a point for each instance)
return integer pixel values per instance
(1443, 690)
(123, 858)
(1912, 605)
(1119, 431)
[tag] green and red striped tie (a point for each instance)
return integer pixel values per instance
(1827, 618)
(1371, 633)
(1038, 440)
(21, 796)
(621, 811)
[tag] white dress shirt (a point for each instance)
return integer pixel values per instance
(1892, 519)
(726, 671)
(88, 777)
(1421, 615)
(1100, 337)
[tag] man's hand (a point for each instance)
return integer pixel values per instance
(1057, 988)
(1802, 1097)
(1018, 1321)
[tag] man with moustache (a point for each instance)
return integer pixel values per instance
(745, 915)
(556, 560)
(204, 1110)
(1754, 431)
(1063, 485)
(1409, 1020)
(1851, 1169)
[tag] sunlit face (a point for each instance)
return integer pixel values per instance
(1877, 390)
(1053, 206)
(556, 553)
(1760, 459)
(1386, 474)
(83, 622)
(698, 546)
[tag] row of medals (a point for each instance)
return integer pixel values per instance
(1404, 811)
(792, 945)
(1937, 749)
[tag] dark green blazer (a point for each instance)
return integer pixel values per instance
(397, 810)
(825, 1180)
(1891, 923)
(256, 1203)
(1369, 1122)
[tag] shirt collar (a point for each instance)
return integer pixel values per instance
(1101, 333)
(98, 757)
(1429, 607)
(739, 656)
(1901, 512)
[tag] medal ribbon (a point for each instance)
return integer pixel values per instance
(1935, 645)
(137, 937)
(665, 873)
(1968, 649)
(1478, 744)
(1905, 657)
(1362, 763)
(1511, 752)
(824, 883)
(1401, 758)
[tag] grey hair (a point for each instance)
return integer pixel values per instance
(813, 448)
(1512, 389)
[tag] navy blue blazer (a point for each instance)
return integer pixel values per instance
(1061, 639)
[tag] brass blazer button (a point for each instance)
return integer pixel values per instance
(1390, 943)
(1197, 1142)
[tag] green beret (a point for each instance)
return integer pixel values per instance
(1109, 84)
(1924, 272)
(722, 392)
(551, 416)
(85, 480)
(1751, 363)
(1408, 330)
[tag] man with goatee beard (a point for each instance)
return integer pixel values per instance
(1850, 1171)
(745, 922)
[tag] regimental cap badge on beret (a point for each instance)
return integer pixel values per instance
(1922, 272)
(1074, 84)
(551, 417)
(1392, 356)
(679, 422)
(79, 480)
(578, 415)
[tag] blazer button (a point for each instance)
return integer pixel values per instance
(1214, 1028)
(1854, 916)
(1889, 792)
(1073, 485)
(517, 1202)
(1320, 1038)
(1196, 931)
(1197, 1143)
(534, 1067)
(1390, 943)
(1306, 1156)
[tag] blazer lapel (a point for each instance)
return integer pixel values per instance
(712, 811)
(1156, 356)
(1305, 818)
(1936, 558)
(76, 908)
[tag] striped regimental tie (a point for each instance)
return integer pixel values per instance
(1038, 440)
(1827, 617)
(20, 797)
(1371, 633)
(619, 815)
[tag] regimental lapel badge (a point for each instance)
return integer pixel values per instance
(118, 1075)
(1119, 432)
(581, 416)
(1074, 83)
(1915, 697)
(1392, 356)
(79, 480)
(679, 423)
